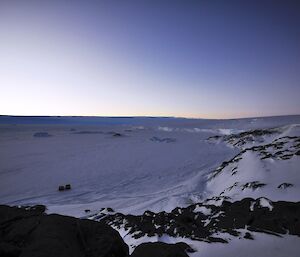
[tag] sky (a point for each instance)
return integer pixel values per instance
(201, 59)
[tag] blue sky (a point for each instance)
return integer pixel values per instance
(209, 59)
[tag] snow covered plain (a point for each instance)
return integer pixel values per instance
(138, 164)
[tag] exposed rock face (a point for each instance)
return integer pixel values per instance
(283, 148)
(204, 221)
(248, 172)
(29, 232)
(244, 138)
(160, 249)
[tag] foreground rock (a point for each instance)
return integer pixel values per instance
(29, 232)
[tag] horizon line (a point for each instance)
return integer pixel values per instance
(146, 116)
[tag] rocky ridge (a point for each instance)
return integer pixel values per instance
(206, 222)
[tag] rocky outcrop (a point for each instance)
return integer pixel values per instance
(160, 249)
(204, 222)
(28, 232)
(252, 136)
(283, 148)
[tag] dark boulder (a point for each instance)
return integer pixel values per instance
(28, 232)
(248, 236)
(160, 249)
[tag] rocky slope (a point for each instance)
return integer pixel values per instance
(30, 232)
(267, 165)
(207, 222)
